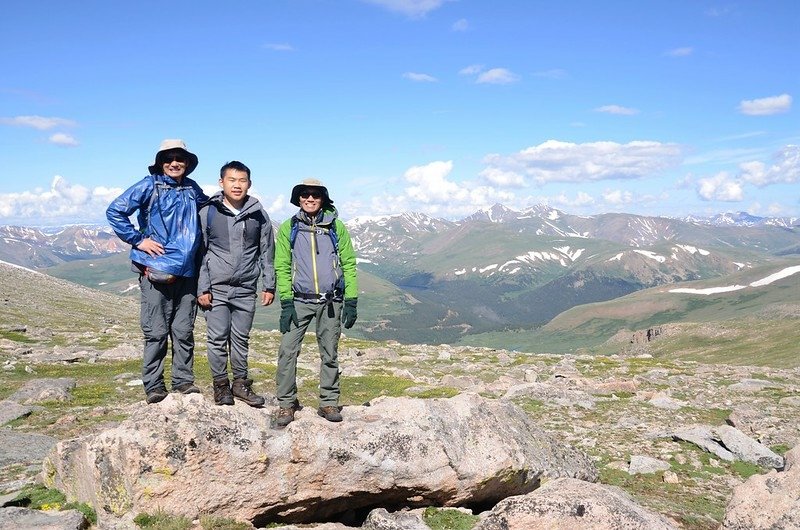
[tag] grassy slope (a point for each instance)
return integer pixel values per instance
(750, 326)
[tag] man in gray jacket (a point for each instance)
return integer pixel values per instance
(238, 249)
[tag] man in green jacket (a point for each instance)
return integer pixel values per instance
(315, 269)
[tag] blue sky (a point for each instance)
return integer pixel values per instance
(443, 107)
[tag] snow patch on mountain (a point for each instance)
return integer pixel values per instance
(561, 255)
(785, 273)
(652, 255)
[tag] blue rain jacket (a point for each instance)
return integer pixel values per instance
(167, 213)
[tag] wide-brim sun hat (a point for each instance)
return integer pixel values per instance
(310, 183)
(173, 145)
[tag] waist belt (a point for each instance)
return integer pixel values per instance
(330, 296)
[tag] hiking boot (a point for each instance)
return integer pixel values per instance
(156, 395)
(330, 413)
(186, 388)
(285, 416)
(242, 389)
(222, 391)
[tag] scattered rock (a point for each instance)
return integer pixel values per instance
(24, 448)
(641, 464)
(38, 390)
(729, 444)
(567, 504)
(661, 401)
(18, 518)
(613, 387)
(564, 397)
(121, 352)
(747, 449)
(770, 501)
(11, 410)
(753, 385)
(791, 401)
(670, 477)
(187, 456)
(380, 519)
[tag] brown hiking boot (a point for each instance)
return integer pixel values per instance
(243, 390)
(157, 394)
(186, 388)
(222, 391)
(285, 415)
(330, 413)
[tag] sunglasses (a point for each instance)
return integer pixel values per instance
(314, 194)
(173, 157)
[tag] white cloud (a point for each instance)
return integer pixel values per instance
(618, 197)
(502, 178)
(432, 191)
(766, 106)
(555, 73)
(555, 161)
(63, 139)
(62, 201)
(411, 8)
(420, 78)
(581, 199)
(679, 52)
(617, 109)
(460, 25)
(497, 76)
(720, 187)
(279, 47)
(37, 122)
(430, 183)
(471, 69)
(785, 168)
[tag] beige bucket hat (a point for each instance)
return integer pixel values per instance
(310, 183)
(174, 145)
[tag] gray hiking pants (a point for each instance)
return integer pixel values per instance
(328, 329)
(168, 311)
(228, 323)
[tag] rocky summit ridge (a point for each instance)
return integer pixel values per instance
(519, 440)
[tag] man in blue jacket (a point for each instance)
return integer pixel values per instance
(163, 253)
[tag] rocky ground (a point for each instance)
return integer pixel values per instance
(69, 367)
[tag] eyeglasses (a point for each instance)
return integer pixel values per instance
(173, 157)
(314, 194)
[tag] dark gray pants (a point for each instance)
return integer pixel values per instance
(329, 329)
(168, 312)
(228, 323)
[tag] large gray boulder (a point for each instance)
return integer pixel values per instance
(23, 518)
(570, 504)
(39, 390)
(187, 456)
(729, 444)
(770, 501)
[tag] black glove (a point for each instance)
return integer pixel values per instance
(349, 312)
(288, 315)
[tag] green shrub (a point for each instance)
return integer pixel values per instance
(447, 519)
(210, 522)
(162, 521)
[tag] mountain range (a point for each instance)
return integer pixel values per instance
(432, 280)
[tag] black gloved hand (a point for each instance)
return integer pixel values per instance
(349, 312)
(288, 315)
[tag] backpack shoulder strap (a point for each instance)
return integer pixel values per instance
(293, 233)
(334, 237)
(211, 211)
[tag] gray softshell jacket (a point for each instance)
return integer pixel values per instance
(236, 249)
